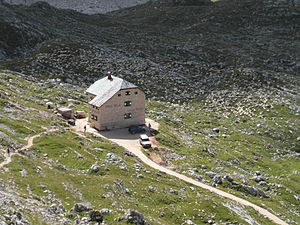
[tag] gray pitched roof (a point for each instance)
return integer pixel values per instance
(104, 89)
(127, 85)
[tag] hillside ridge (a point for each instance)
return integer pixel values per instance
(84, 6)
(221, 78)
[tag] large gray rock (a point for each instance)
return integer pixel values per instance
(24, 173)
(254, 191)
(80, 207)
(210, 174)
(95, 168)
(96, 216)
(134, 217)
(152, 189)
(105, 211)
(258, 178)
(173, 191)
(228, 178)
(218, 179)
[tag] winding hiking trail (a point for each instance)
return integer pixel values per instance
(8, 156)
(130, 142)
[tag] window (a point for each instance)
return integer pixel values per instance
(136, 92)
(119, 95)
(127, 93)
(127, 103)
(127, 116)
(94, 117)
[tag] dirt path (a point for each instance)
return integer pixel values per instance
(8, 156)
(7, 160)
(130, 142)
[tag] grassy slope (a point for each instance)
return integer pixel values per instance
(59, 162)
(264, 141)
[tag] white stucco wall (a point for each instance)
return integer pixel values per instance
(111, 114)
(90, 97)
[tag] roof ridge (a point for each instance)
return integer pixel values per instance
(126, 85)
(105, 88)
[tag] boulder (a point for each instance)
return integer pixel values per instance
(189, 222)
(216, 130)
(218, 179)
(95, 168)
(254, 191)
(204, 167)
(258, 178)
(50, 105)
(134, 217)
(61, 209)
(173, 191)
(210, 174)
(198, 177)
(96, 215)
(24, 173)
(228, 178)
(112, 157)
(79, 207)
(52, 209)
(152, 189)
(99, 149)
(105, 211)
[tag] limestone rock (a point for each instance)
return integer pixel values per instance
(80, 207)
(96, 216)
(134, 217)
(218, 179)
(95, 168)
(105, 211)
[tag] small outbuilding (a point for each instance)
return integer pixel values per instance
(66, 112)
(79, 114)
(115, 103)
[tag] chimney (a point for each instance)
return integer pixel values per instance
(109, 76)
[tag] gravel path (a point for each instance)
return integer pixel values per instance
(123, 138)
(8, 156)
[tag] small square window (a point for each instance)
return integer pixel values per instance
(127, 103)
(119, 95)
(128, 93)
(136, 92)
(127, 116)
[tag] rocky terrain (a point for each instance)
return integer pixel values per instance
(66, 178)
(84, 6)
(192, 50)
(222, 79)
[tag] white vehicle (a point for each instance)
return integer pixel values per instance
(144, 141)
